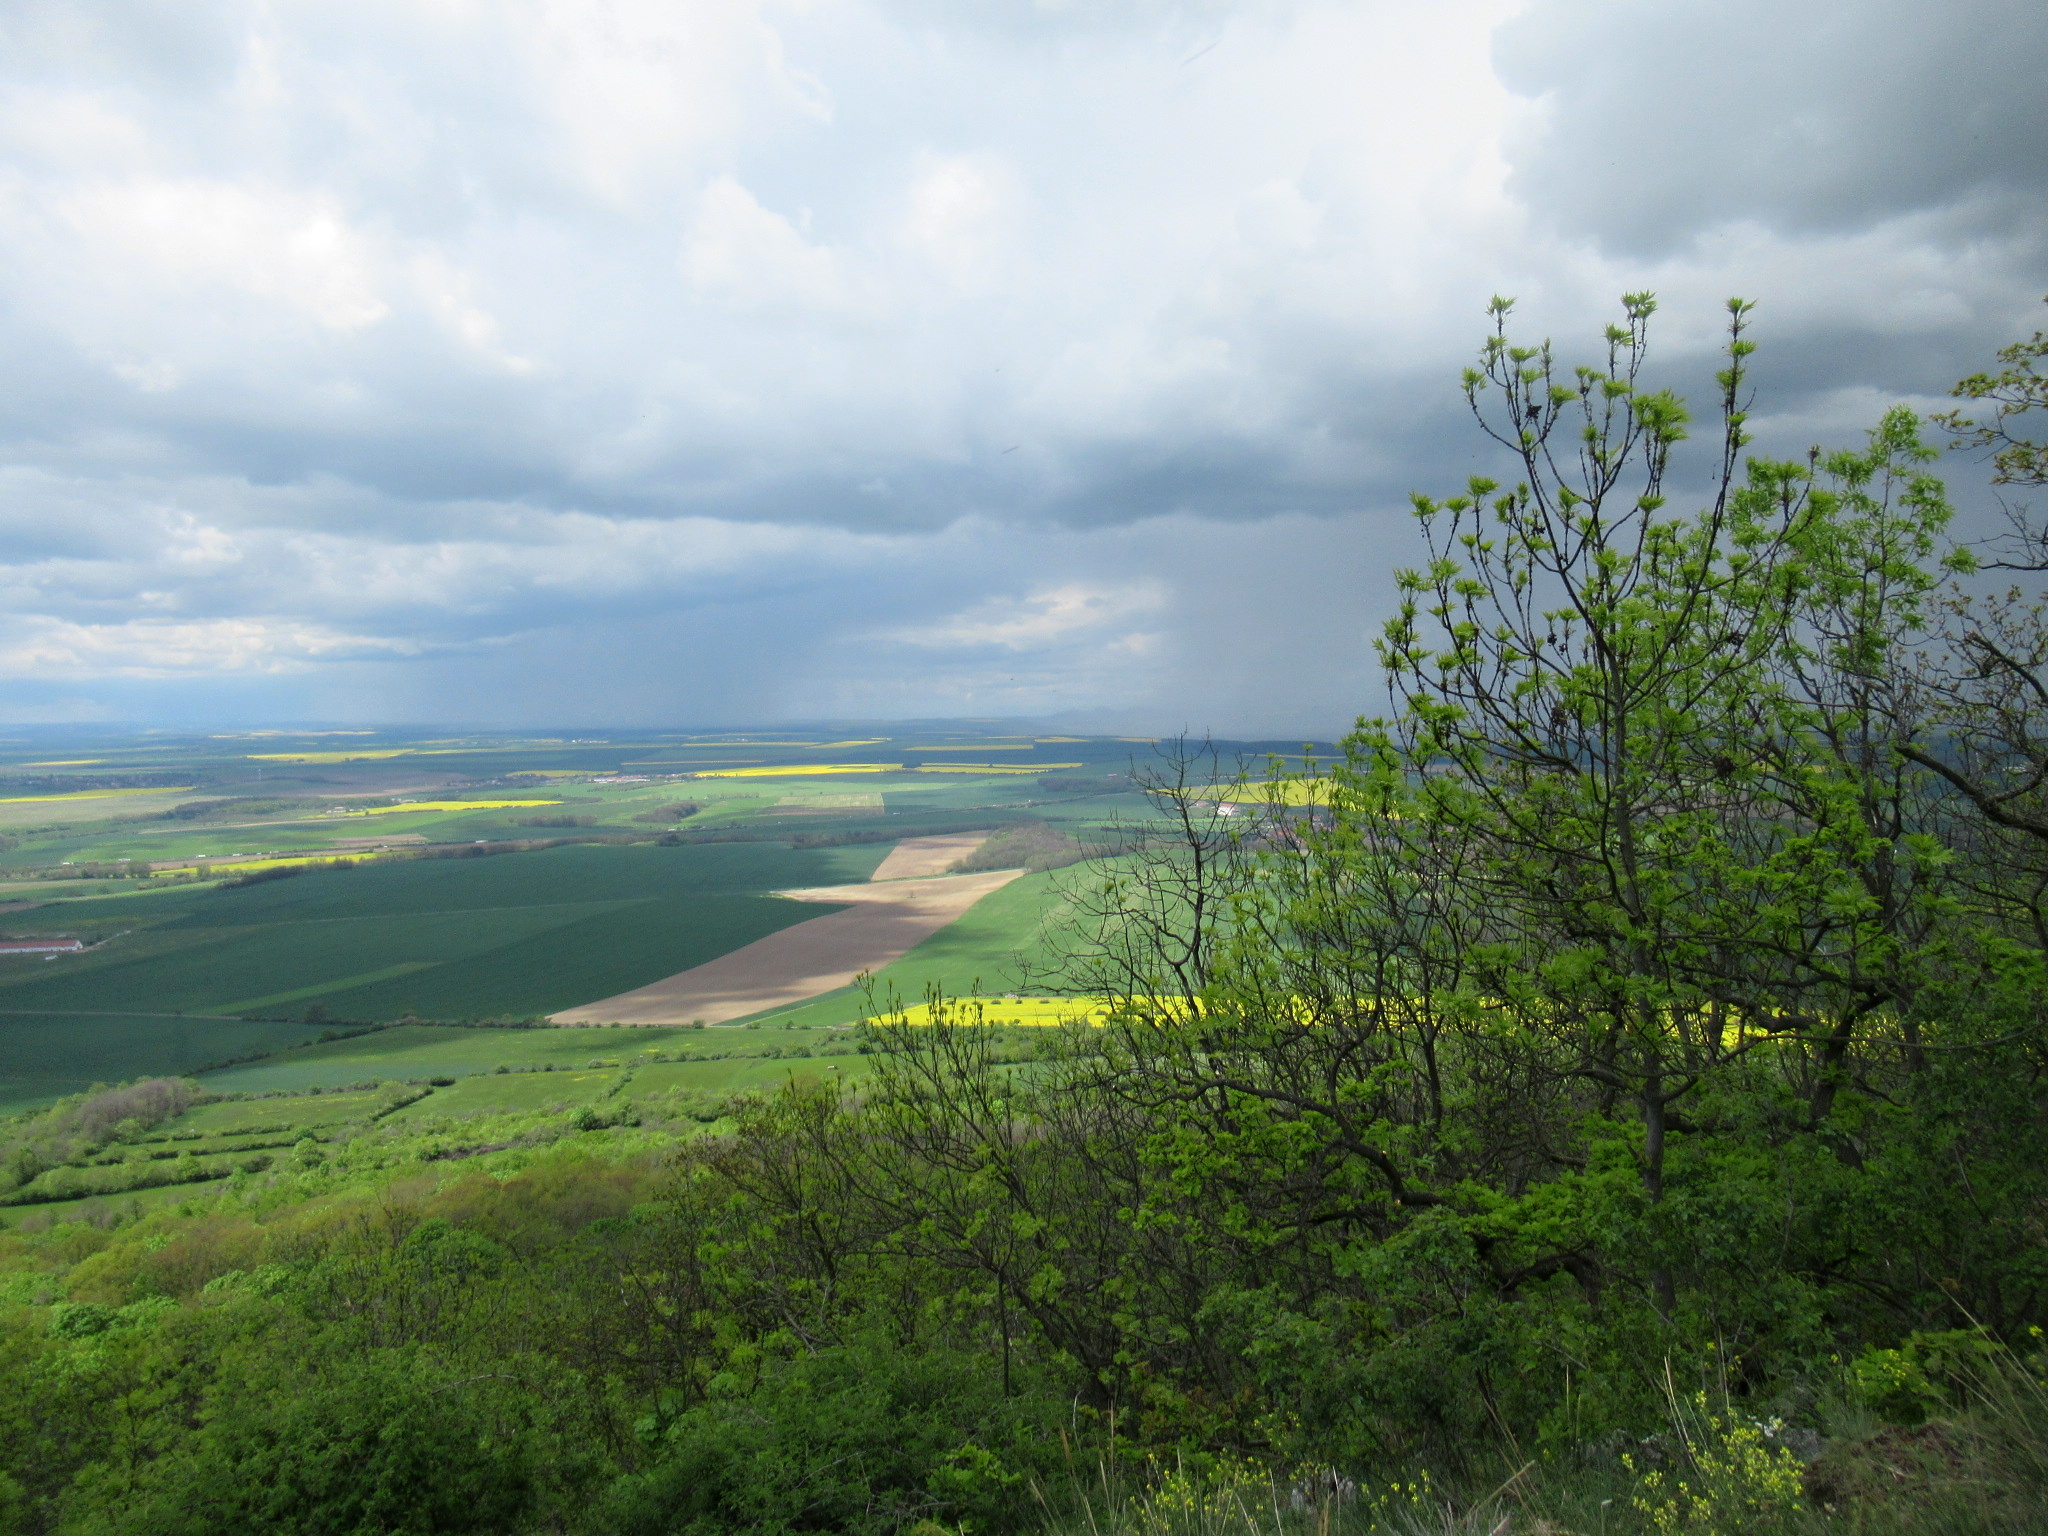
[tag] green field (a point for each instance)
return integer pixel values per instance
(44, 1056)
(512, 1093)
(423, 1050)
(511, 936)
(238, 1117)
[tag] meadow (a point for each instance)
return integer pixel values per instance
(406, 1051)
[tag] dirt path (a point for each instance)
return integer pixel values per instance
(915, 857)
(882, 922)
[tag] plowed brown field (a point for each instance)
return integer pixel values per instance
(884, 919)
(918, 856)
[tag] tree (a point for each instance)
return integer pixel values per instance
(1638, 818)
(1985, 682)
(2012, 392)
(1589, 695)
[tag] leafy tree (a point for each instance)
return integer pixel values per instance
(2015, 390)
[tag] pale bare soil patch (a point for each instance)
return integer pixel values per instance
(915, 857)
(882, 922)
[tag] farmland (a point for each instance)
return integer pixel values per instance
(241, 895)
(48, 1055)
(457, 938)
(1004, 942)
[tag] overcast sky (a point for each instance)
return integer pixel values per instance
(692, 362)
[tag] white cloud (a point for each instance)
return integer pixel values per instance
(177, 239)
(740, 253)
(1056, 615)
(956, 215)
(46, 649)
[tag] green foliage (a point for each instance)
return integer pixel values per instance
(2012, 392)
(1028, 845)
(383, 1444)
(863, 1437)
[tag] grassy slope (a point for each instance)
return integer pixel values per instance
(423, 1050)
(590, 1068)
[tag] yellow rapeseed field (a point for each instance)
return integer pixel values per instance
(1029, 1012)
(1271, 792)
(96, 794)
(1036, 1012)
(1032, 1011)
(447, 805)
(791, 772)
(280, 861)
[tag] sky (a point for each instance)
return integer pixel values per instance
(689, 363)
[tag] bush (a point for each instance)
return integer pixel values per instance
(286, 872)
(682, 810)
(377, 1444)
(215, 810)
(1030, 845)
(864, 1438)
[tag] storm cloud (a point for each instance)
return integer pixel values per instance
(619, 362)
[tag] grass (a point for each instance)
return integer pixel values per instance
(676, 1081)
(625, 1084)
(124, 1206)
(44, 810)
(739, 1073)
(243, 1143)
(307, 1112)
(424, 1050)
(512, 1093)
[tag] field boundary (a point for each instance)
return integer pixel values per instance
(881, 922)
(303, 994)
(114, 1013)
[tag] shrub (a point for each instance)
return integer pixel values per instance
(682, 810)
(862, 1438)
(1030, 845)
(377, 1444)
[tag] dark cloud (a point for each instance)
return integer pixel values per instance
(1661, 121)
